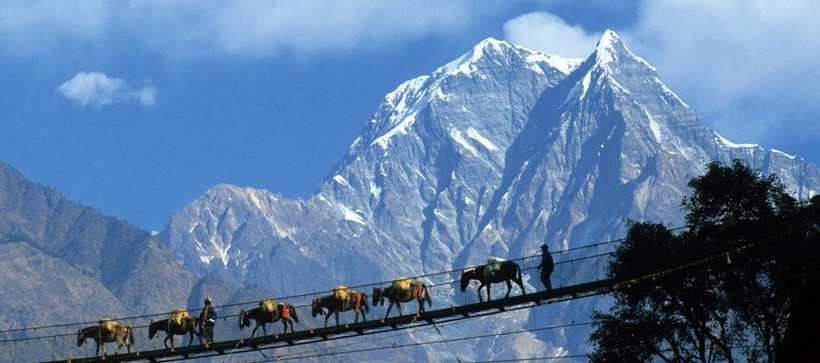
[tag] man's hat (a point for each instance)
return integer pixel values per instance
(545, 247)
(208, 300)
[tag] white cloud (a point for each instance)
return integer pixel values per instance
(97, 89)
(192, 29)
(549, 33)
(315, 26)
(30, 28)
(749, 67)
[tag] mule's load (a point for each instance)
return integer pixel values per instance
(268, 305)
(341, 292)
(177, 316)
(107, 325)
(493, 265)
(402, 283)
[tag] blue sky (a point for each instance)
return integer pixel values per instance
(137, 108)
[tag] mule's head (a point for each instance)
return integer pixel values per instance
(378, 296)
(152, 330)
(244, 319)
(316, 308)
(466, 276)
(80, 337)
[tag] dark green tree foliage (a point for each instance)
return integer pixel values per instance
(724, 289)
(738, 192)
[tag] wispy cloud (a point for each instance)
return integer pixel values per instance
(548, 33)
(97, 89)
(315, 26)
(33, 28)
(248, 29)
(748, 67)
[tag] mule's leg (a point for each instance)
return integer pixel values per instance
(389, 306)
(398, 306)
(509, 288)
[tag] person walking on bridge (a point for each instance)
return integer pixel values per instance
(546, 266)
(207, 320)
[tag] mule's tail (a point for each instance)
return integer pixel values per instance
(292, 311)
(427, 296)
(365, 305)
(130, 332)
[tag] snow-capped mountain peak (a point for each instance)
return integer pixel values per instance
(489, 61)
(611, 54)
(467, 63)
(501, 53)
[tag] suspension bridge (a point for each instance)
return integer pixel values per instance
(577, 278)
(373, 326)
(579, 273)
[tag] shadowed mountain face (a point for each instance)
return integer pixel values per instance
(125, 261)
(65, 263)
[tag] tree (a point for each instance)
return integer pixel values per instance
(722, 290)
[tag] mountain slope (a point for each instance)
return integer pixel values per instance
(65, 263)
(119, 255)
(492, 154)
